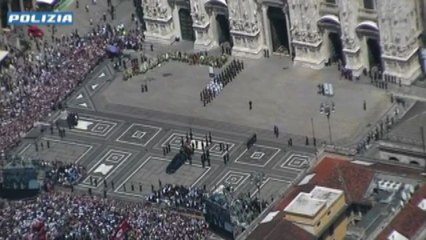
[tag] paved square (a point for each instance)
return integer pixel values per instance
(197, 139)
(232, 179)
(95, 127)
(105, 166)
(139, 134)
(154, 169)
(116, 156)
(271, 188)
(257, 155)
(100, 128)
(176, 89)
(63, 151)
(297, 161)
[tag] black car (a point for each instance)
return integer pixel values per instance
(177, 162)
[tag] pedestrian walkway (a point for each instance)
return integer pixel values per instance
(411, 92)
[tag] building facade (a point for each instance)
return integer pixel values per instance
(362, 34)
(322, 213)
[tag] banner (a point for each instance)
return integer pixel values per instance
(122, 230)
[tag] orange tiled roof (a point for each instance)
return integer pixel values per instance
(279, 230)
(353, 179)
(410, 220)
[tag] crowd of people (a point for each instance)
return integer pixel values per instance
(145, 64)
(34, 82)
(219, 81)
(65, 216)
(179, 196)
(67, 175)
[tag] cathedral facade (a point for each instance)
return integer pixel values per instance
(361, 34)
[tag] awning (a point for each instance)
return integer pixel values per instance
(3, 54)
(217, 2)
(329, 18)
(49, 2)
(368, 25)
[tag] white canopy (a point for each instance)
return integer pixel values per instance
(329, 17)
(3, 54)
(49, 2)
(217, 2)
(368, 24)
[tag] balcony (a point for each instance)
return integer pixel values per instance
(367, 15)
(329, 8)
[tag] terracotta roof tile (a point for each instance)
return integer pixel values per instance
(410, 220)
(353, 179)
(279, 230)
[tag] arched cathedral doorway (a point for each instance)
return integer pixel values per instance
(279, 31)
(336, 47)
(374, 53)
(369, 32)
(330, 26)
(223, 29)
(185, 21)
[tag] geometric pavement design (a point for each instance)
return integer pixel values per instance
(110, 162)
(297, 161)
(232, 179)
(198, 140)
(139, 134)
(257, 155)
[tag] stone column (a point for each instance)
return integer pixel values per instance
(266, 28)
(246, 25)
(201, 25)
(351, 44)
(399, 32)
(288, 26)
(159, 21)
(306, 39)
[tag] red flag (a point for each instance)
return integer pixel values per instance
(122, 230)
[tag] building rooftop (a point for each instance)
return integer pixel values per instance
(273, 230)
(309, 204)
(410, 220)
(327, 194)
(354, 180)
(304, 204)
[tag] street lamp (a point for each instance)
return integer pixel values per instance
(258, 179)
(327, 108)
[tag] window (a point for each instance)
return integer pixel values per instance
(369, 4)
(331, 1)
(329, 212)
(319, 223)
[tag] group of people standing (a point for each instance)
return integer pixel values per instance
(219, 81)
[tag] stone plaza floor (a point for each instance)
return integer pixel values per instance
(282, 95)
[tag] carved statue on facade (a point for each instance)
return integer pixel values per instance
(242, 18)
(155, 9)
(348, 18)
(398, 26)
(304, 20)
(198, 16)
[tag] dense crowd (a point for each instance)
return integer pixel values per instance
(33, 83)
(63, 216)
(67, 175)
(179, 197)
